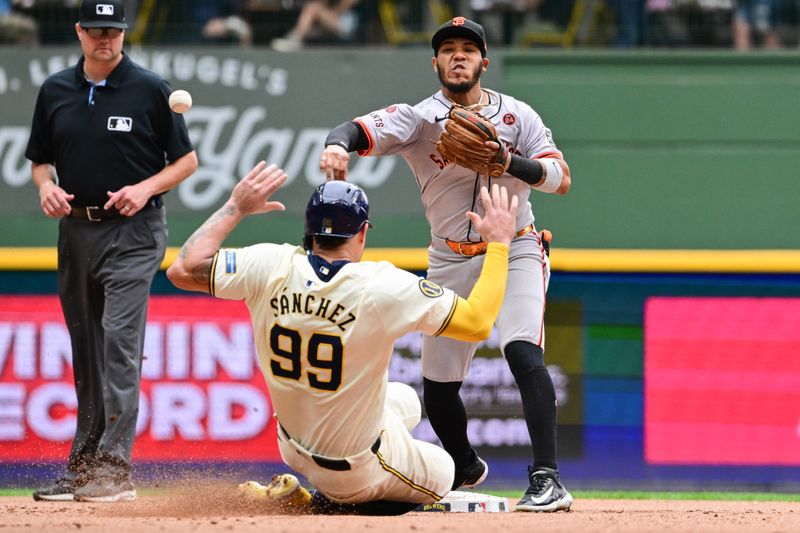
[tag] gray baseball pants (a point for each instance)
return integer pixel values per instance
(104, 274)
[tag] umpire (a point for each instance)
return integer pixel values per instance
(106, 126)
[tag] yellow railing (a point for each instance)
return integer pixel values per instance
(583, 24)
(396, 32)
(562, 259)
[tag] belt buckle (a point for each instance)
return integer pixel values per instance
(89, 211)
(472, 248)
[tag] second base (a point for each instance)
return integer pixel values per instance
(466, 502)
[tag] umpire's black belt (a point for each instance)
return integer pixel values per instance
(339, 465)
(94, 213)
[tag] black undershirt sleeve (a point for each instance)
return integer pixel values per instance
(348, 135)
(528, 170)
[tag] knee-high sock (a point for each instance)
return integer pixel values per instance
(526, 362)
(448, 418)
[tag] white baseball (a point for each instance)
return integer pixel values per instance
(180, 101)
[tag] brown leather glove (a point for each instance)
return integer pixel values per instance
(463, 142)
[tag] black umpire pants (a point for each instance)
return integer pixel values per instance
(105, 270)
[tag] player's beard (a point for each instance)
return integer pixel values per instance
(462, 87)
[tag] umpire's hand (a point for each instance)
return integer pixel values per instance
(54, 200)
(334, 162)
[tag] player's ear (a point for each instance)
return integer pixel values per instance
(361, 240)
(361, 236)
(485, 63)
(78, 30)
(434, 63)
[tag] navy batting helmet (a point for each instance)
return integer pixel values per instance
(336, 209)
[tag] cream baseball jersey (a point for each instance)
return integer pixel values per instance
(324, 347)
(448, 190)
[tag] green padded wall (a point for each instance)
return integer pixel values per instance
(669, 150)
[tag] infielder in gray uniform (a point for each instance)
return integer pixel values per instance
(456, 252)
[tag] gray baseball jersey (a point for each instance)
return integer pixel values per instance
(448, 192)
(324, 348)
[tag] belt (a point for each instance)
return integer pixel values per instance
(470, 249)
(339, 465)
(94, 213)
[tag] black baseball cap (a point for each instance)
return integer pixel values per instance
(103, 14)
(460, 27)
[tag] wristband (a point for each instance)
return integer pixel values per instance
(553, 175)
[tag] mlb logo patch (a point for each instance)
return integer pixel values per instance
(120, 124)
(230, 262)
(105, 9)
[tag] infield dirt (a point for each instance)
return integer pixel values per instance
(203, 510)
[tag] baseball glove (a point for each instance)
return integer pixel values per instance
(463, 142)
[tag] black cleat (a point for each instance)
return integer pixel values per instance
(546, 493)
(62, 490)
(473, 475)
(106, 490)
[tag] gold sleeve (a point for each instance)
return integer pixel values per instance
(472, 319)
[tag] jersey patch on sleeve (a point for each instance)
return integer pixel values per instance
(230, 262)
(430, 289)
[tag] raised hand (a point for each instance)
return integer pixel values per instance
(251, 195)
(499, 221)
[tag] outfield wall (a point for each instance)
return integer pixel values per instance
(664, 381)
(670, 150)
(688, 150)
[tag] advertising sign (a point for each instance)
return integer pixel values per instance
(722, 381)
(203, 393)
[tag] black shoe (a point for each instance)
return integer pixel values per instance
(472, 475)
(546, 493)
(60, 491)
(106, 490)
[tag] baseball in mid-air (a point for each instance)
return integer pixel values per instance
(180, 101)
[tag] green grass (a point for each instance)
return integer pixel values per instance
(647, 495)
(16, 492)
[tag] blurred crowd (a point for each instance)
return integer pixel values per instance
(288, 25)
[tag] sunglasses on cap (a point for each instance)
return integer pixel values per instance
(96, 33)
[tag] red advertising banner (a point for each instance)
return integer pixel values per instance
(203, 394)
(722, 381)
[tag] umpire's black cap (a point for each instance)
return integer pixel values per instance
(103, 14)
(460, 27)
